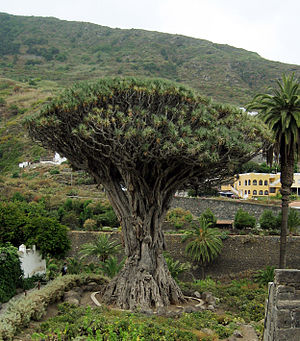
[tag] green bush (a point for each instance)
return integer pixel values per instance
(28, 223)
(209, 217)
(10, 270)
(54, 171)
(243, 220)
(48, 235)
(268, 220)
(33, 306)
(175, 267)
(265, 276)
(179, 217)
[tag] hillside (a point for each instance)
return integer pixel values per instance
(39, 56)
(63, 51)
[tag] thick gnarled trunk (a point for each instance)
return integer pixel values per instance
(145, 281)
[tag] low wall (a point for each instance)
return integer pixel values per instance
(222, 209)
(239, 254)
(282, 322)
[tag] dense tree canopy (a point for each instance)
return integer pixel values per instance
(144, 139)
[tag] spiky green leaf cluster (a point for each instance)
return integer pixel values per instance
(281, 111)
(130, 121)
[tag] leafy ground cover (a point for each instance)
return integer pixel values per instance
(240, 302)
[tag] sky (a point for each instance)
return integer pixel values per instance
(269, 27)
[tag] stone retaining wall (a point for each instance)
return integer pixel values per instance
(239, 254)
(222, 209)
(282, 322)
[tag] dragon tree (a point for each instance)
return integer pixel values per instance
(143, 140)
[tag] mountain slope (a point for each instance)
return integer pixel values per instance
(49, 48)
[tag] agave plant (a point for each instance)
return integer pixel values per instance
(206, 242)
(102, 247)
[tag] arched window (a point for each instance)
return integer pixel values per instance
(266, 192)
(245, 182)
(254, 182)
(249, 182)
(239, 183)
(260, 182)
(261, 193)
(249, 192)
(266, 182)
(255, 192)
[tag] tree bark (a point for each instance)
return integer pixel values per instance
(145, 281)
(286, 178)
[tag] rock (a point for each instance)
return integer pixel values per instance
(71, 294)
(197, 294)
(161, 311)
(190, 309)
(72, 300)
(208, 331)
(208, 298)
(174, 314)
(79, 290)
(210, 307)
(147, 312)
(237, 334)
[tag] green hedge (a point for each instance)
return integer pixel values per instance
(34, 305)
(10, 270)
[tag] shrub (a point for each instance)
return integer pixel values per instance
(209, 217)
(178, 217)
(33, 306)
(206, 243)
(111, 266)
(265, 276)
(102, 247)
(175, 267)
(243, 220)
(108, 218)
(54, 171)
(268, 220)
(71, 220)
(48, 235)
(90, 224)
(10, 270)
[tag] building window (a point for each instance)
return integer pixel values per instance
(260, 182)
(272, 190)
(254, 182)
(245, 182)
(261, 193)
(266, 182)
(239, 183)
(266, 192)
(249, 182)
(249, 192)
(255, 192)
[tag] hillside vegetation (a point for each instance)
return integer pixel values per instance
(39, 56)
(64, 51)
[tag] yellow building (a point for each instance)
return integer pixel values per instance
(251, 185)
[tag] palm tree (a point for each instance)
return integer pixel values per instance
(102, 247)
(206, 243)
(281, 111)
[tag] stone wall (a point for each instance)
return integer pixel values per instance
(282, 322)
(239, 254)
(222, 209)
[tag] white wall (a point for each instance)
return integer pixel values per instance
(31, 261)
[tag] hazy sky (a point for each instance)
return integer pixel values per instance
(268, 27)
